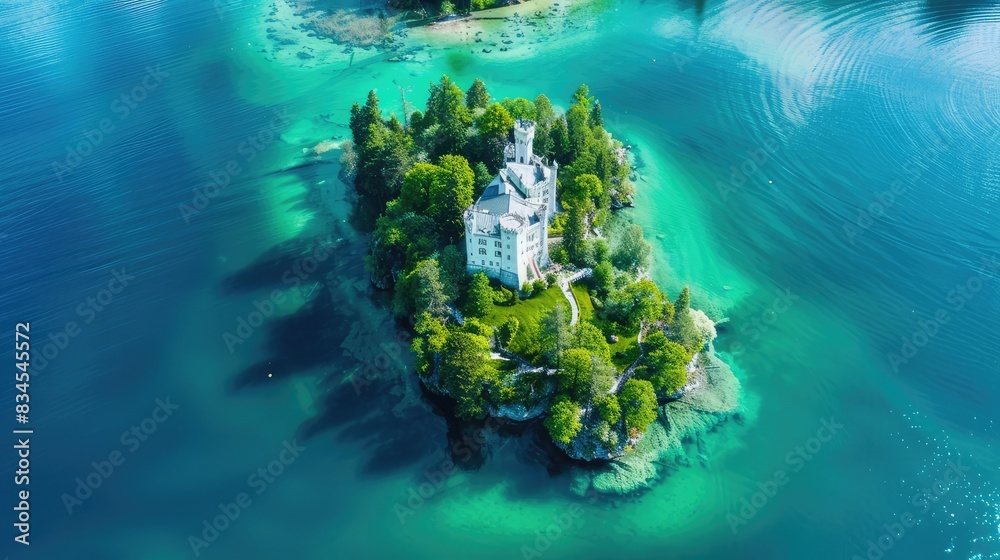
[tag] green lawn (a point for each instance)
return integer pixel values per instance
(528, 310)
(583, 301)
(532, 309)
(628, 346)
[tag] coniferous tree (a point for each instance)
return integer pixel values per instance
(477, 97)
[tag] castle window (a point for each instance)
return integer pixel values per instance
(508, 257)
(482, 242)
(498, 253)
(483, 263)
(482, 251)
(496, 243)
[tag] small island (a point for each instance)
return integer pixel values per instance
(530, 300)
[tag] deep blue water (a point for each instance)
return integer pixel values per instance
(857, 99)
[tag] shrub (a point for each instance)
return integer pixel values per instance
(503, 296)
(526, 289)
(447, 8)
(508, 330)
(539, 285)
(558, 254)
(551, 279)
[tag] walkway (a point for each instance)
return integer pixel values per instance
(574, 308)
(564, 286)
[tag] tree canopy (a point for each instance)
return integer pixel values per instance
(638, 402)
(563, 422)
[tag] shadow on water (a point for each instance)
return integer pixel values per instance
(947, 18)
(370, 395)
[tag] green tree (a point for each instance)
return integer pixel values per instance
(479, 298)
(477, 327)
(384, 158)
(683, 302)
(429, 343)
(638, 402)
(633, 251)
(582, 96)
(477, 97)
(422, 290)
(584, 187)
(575, 231)
(596, 118)
(563, 422)
(420, 183)
(519, 108)
(507, 331)
(483, 178)
(608, 408)
(578, 127)
(555, 335)
(590, 338)
(492, 127)
(495, 122)
(465, 371)
(683, 329)
(602, 376)
(452, 265)
(450, 198)
(603, 277)
(362, 118)
(398, 243)
(562, 150)
(544, 114)
(666, 363)
(640, 303)
(446, 108)
(574, 374)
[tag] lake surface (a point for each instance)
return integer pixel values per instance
(824, 174)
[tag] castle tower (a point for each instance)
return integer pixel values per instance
(524, 137)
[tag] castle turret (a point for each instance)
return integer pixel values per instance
(524, 137)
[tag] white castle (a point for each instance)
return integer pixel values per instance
(506, 230)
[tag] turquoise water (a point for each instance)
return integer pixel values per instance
(875, 195)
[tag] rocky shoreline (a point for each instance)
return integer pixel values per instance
(716, 399)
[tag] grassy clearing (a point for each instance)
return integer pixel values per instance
(625, 351)
(528, 310)
(583, 301)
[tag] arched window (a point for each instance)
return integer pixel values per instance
(482, 251)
